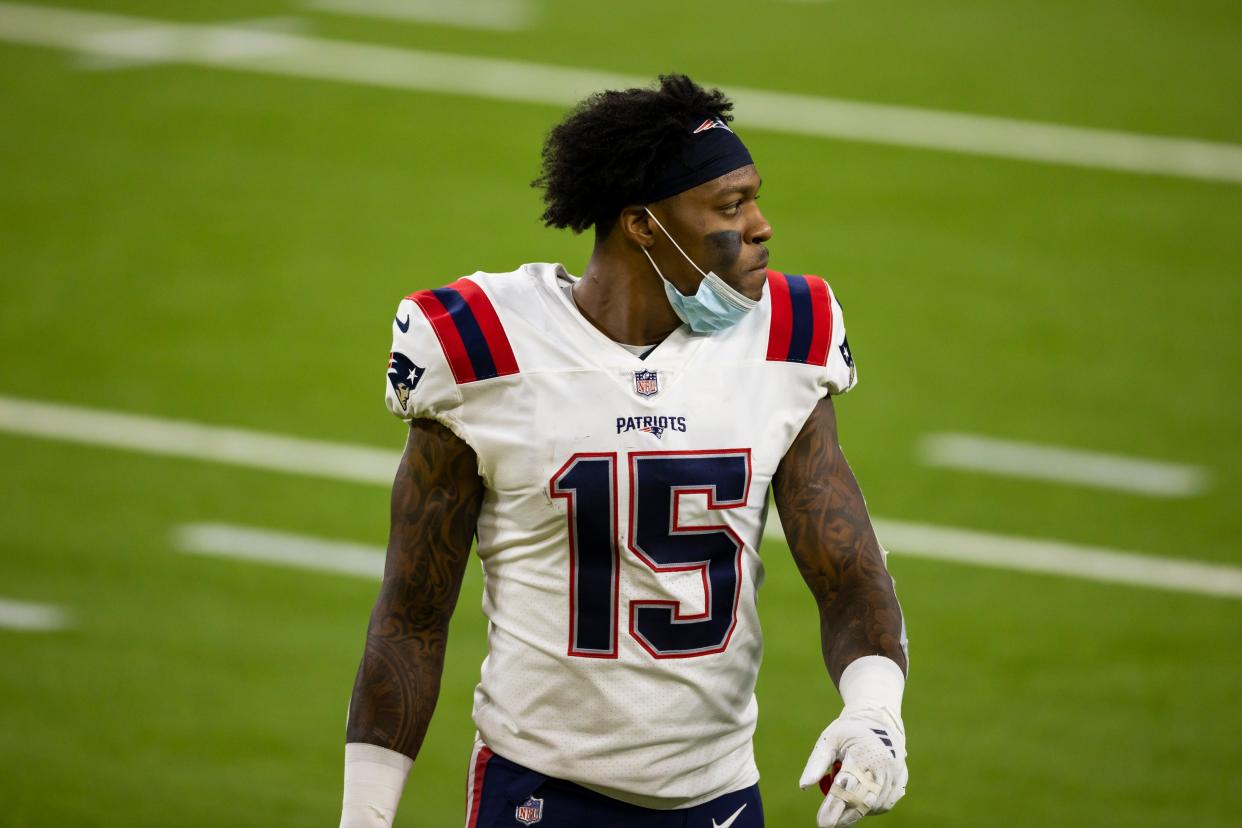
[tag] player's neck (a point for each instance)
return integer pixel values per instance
(624, 300)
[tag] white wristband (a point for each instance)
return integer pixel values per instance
(374, 778)
(873, 681)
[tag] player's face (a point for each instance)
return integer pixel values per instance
(721, 228)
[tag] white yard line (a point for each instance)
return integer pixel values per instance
(150, 45)
(310, 57)
(497, 15)
(364, 464)
(182, 438)
(222, 540)
(1058, 464)
(27, 617)
(1113, 566)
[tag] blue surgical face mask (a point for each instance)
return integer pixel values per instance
(713, 307)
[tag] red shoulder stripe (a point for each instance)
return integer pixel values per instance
(821, 312)
(469, 330)
(450, 340)
(782, 317)
(489, 322)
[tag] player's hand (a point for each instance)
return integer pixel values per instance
(866, 746)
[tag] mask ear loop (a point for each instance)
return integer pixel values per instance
(675, 244)
(653, 264)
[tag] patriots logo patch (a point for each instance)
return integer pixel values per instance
(711, 123)
(403, 375)
(845, 352)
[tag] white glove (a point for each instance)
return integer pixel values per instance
(868, 741)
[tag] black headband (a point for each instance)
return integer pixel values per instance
(713, 151)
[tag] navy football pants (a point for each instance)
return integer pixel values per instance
(503, 794)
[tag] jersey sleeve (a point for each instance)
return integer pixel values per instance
(419, 382)
(808, 328)
(840, 373)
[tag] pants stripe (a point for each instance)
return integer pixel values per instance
(478, 770)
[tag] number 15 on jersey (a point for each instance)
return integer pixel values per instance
(656, 480)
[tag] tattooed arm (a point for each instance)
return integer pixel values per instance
(832, 541)
(435, 506)
(859, 760)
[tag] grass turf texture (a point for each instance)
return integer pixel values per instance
(229, 247)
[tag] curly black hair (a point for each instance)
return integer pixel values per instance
(610, 149)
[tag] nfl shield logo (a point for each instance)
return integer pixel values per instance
(530, 811)
(646, 383)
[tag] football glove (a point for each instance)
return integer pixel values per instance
(860, 759)
(870, 747)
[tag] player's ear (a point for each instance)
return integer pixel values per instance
(635, 224)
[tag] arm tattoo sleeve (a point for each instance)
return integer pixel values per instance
(435, 506)
(835, 548)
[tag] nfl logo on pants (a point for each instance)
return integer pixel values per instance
(530, 811)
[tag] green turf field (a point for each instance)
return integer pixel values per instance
(227, 247)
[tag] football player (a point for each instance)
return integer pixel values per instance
(610, 441)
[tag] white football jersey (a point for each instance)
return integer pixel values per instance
(619, 533)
